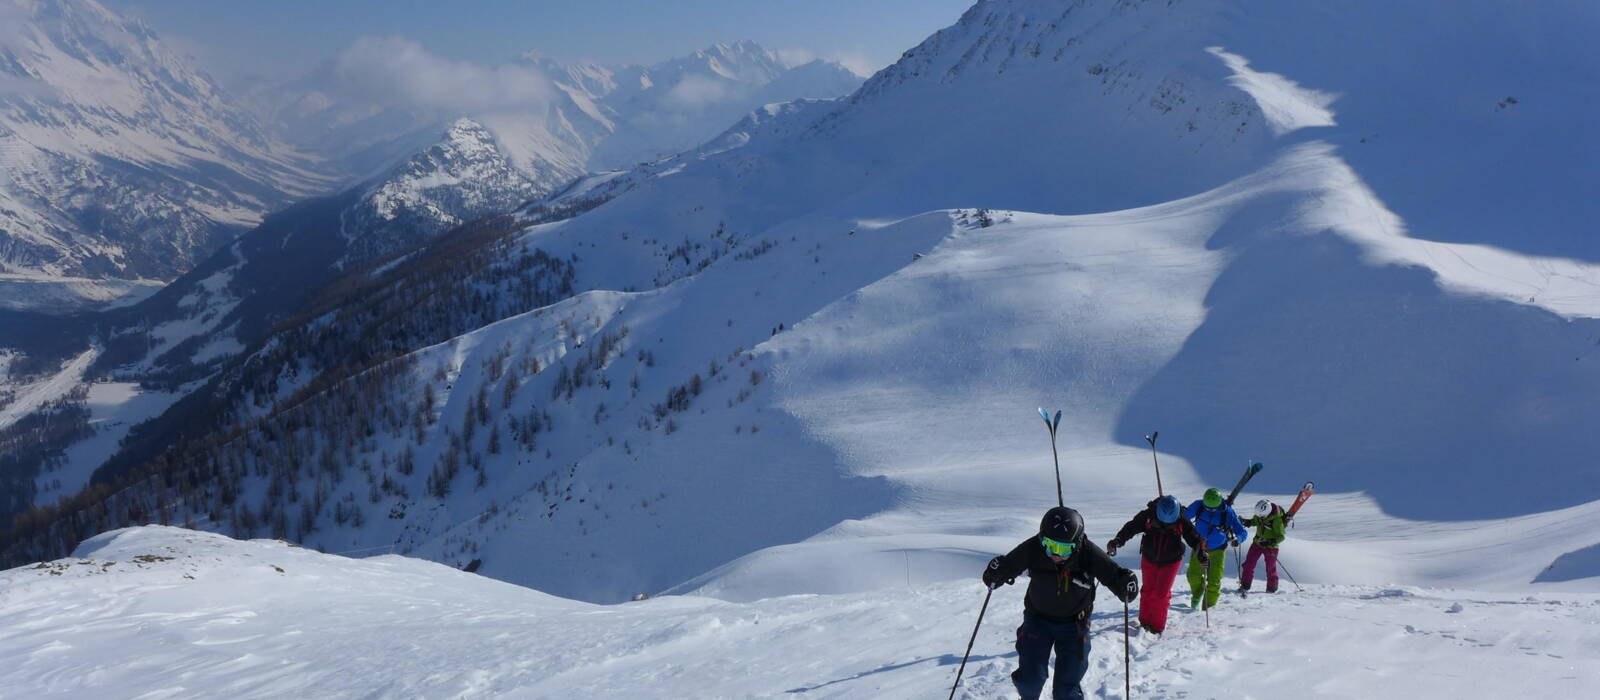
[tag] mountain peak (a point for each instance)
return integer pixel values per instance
(742, 47)
(466, 129)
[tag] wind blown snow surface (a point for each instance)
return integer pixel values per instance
(164, 612)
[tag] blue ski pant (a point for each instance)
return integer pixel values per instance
(1035, 639)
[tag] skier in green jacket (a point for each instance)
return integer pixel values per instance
(1270, 522)
(1219, 526)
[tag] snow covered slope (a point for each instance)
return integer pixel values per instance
(161, 611)
(118, 161)
(798, 360)
(1268, 306)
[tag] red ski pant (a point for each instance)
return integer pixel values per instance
(1249, 573)
(1155, 595)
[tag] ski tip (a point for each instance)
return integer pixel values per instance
(1044, 414)
(1057, 422)
(1257, 466)
(1310, 486)
(1151, 437)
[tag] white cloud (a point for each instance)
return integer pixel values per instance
(795, 57)
(695, 91)
(399, 71)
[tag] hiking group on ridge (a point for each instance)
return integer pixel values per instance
(1063, 567)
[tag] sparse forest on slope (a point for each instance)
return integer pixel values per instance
(362, 327)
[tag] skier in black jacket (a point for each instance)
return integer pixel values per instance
(1062, 567)
(1164, 531)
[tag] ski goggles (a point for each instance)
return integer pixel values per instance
(1060, 549)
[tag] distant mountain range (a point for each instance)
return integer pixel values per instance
(587, 117)
(123, 165)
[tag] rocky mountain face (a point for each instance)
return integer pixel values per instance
(238, 294)
(463, 176)
(119, 162)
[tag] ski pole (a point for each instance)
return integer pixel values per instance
(1297, 587)
(1051, 426)
(1127, 674)
(970, 641)
(1151, 438)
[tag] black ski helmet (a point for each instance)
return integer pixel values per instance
(1062, 524)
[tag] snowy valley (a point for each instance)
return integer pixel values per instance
(784, 382)
(122, 164)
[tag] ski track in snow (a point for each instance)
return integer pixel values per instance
(217, 617)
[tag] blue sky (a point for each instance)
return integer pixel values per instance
(285, 38)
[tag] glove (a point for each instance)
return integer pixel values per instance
(1111, 548)
(1131, 591)
(1204, 557)
(991, 574)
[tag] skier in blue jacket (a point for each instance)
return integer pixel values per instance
(1219, 526)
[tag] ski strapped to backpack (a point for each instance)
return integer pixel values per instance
(1249, 473)
(1306, 492)
(1051, 425)
(1151, 438)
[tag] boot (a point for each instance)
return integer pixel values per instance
(1272, 589)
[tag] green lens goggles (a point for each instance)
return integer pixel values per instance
(1060, 549)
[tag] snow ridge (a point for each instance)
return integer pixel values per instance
(262, 619)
